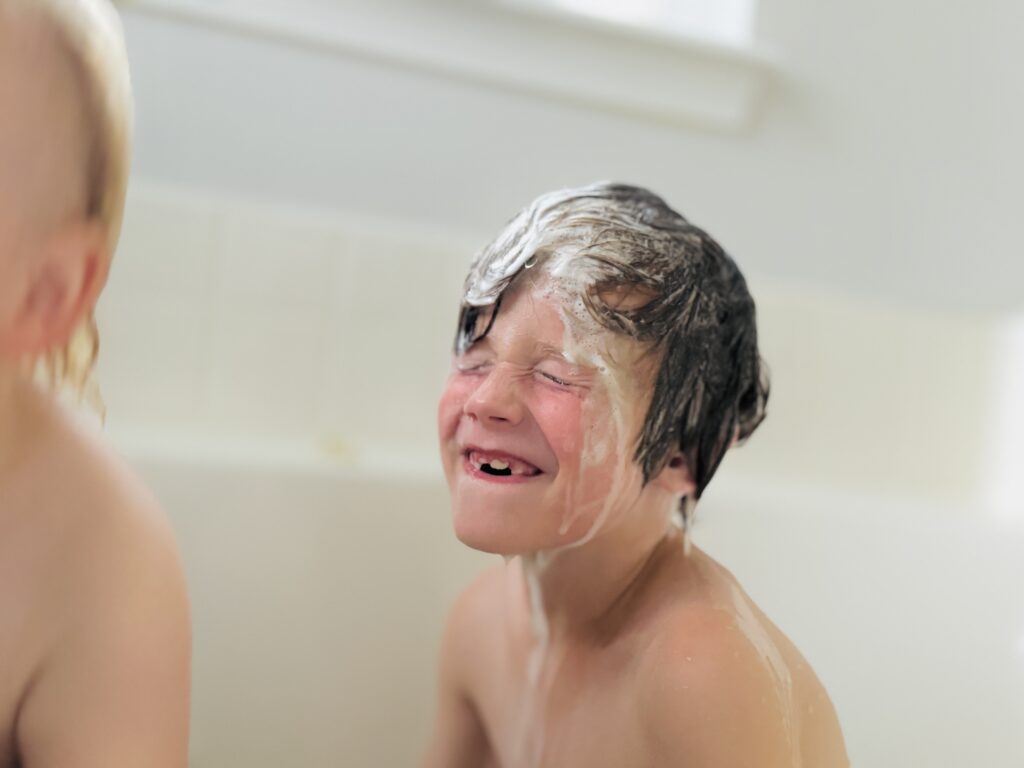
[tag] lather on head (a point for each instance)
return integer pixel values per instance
(645, 272)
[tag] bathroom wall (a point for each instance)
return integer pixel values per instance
(266, 322)
(283, 303)
(331, 331)
(299, 214)
(883, 159)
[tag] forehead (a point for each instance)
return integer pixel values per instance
(528, 316)
(543, 315)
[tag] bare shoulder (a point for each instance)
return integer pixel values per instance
(115, 636)
(114, 526)
(72, 474)
(94, 529)
(721, 685)
(129, 527)
(709, 699)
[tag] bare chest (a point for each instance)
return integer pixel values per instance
(578, 708)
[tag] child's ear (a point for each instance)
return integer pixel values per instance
(675, 476)
(62, 283)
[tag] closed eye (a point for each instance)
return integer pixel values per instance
(555, 379)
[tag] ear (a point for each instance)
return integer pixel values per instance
(675, 476)
(61, 285)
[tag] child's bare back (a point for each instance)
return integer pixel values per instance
(94, 625)
(94, 631)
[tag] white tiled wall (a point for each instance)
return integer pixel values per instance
(874, 398)
(252, 319)
(156, 314)
(258, 321)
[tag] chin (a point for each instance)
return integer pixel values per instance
(476, 531)
(482, 543)
(508, 538)
(494, 534)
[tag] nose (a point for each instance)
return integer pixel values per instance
(495, 401)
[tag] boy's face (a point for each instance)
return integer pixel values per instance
(537, 450)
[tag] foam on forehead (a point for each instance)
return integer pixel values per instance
(566, 238)
(547, 234)
(537, 231)
(597, 237)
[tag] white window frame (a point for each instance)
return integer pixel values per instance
(724, 21)
(648, 74)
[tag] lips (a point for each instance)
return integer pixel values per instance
(498, 465)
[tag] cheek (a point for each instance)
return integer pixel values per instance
(604, 465)
(560, 416)
(599, 433)
(456, 392)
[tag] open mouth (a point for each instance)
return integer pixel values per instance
(499, 465)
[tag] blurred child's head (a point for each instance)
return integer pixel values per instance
(64, 154)
(646, 329)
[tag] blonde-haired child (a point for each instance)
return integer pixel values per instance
(94, 624)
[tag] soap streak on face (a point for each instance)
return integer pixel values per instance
(589, 345)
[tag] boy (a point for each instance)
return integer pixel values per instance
(606, 360)
(94, 626)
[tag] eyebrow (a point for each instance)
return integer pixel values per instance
(543, 349)
(548, 351)
(538, 348)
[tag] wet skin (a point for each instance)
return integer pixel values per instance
(645, 656)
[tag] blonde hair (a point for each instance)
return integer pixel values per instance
(92, 33)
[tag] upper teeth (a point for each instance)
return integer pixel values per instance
(480, 459)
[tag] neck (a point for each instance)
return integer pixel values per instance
(589, 592)
(18, 410)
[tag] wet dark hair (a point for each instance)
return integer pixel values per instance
(696, 314)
